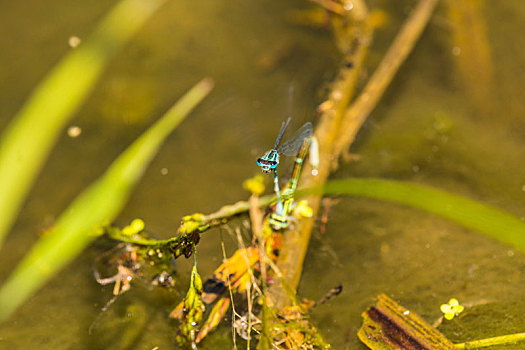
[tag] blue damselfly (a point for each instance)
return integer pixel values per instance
(297, 146)
(279, 218)
(270, 160)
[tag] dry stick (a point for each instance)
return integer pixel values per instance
(296, 239)
(374, 89)
(334, 137)
(230, 210)
(473, 66)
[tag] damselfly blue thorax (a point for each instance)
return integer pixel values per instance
(270, 160)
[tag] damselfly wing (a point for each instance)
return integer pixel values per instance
(269, 161)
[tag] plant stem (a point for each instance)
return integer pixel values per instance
(383, 75)
(28, 139)
(501, 340)
(354, 42)
(335, 133)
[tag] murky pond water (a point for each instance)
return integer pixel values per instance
(426, 129)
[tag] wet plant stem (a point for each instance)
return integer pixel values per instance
(403, 44)
(239, 207)
(501, 340)
(336, 132)
(354, 42)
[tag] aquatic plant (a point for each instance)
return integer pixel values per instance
(452, 309)
(32, 133)
(27, 141)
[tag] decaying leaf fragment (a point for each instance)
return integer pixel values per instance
(387, 326)
(229, 273)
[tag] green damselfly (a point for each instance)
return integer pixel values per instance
(269, 161)
(279, 218)
(297, 145)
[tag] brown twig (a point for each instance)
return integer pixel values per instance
(376, 86)
(234, 209)
(471, 52)
(296, 239)
(335, 133)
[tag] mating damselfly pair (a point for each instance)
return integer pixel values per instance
(296, 146)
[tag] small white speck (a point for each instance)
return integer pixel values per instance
(510, 253)
(315, 172)
(472, 268)
(348, 5)
(427, 245)
(74, 41)
(337, 94)
(406, 312)
(74, 131)
(456, 50)
(164, 171)
(523, 188)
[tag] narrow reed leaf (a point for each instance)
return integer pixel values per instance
(482, 218)
(27, 141)
(98, 205)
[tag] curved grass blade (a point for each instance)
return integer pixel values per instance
(27, 141)
(482, 218)
(98, 205)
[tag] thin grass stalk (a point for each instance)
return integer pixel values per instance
(509, 339)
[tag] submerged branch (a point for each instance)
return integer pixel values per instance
(354, 42)
(336, 132)
(239, 207)
(382, 77)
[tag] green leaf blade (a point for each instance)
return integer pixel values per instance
(27, 141)
(482, 218)
(98, 205)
